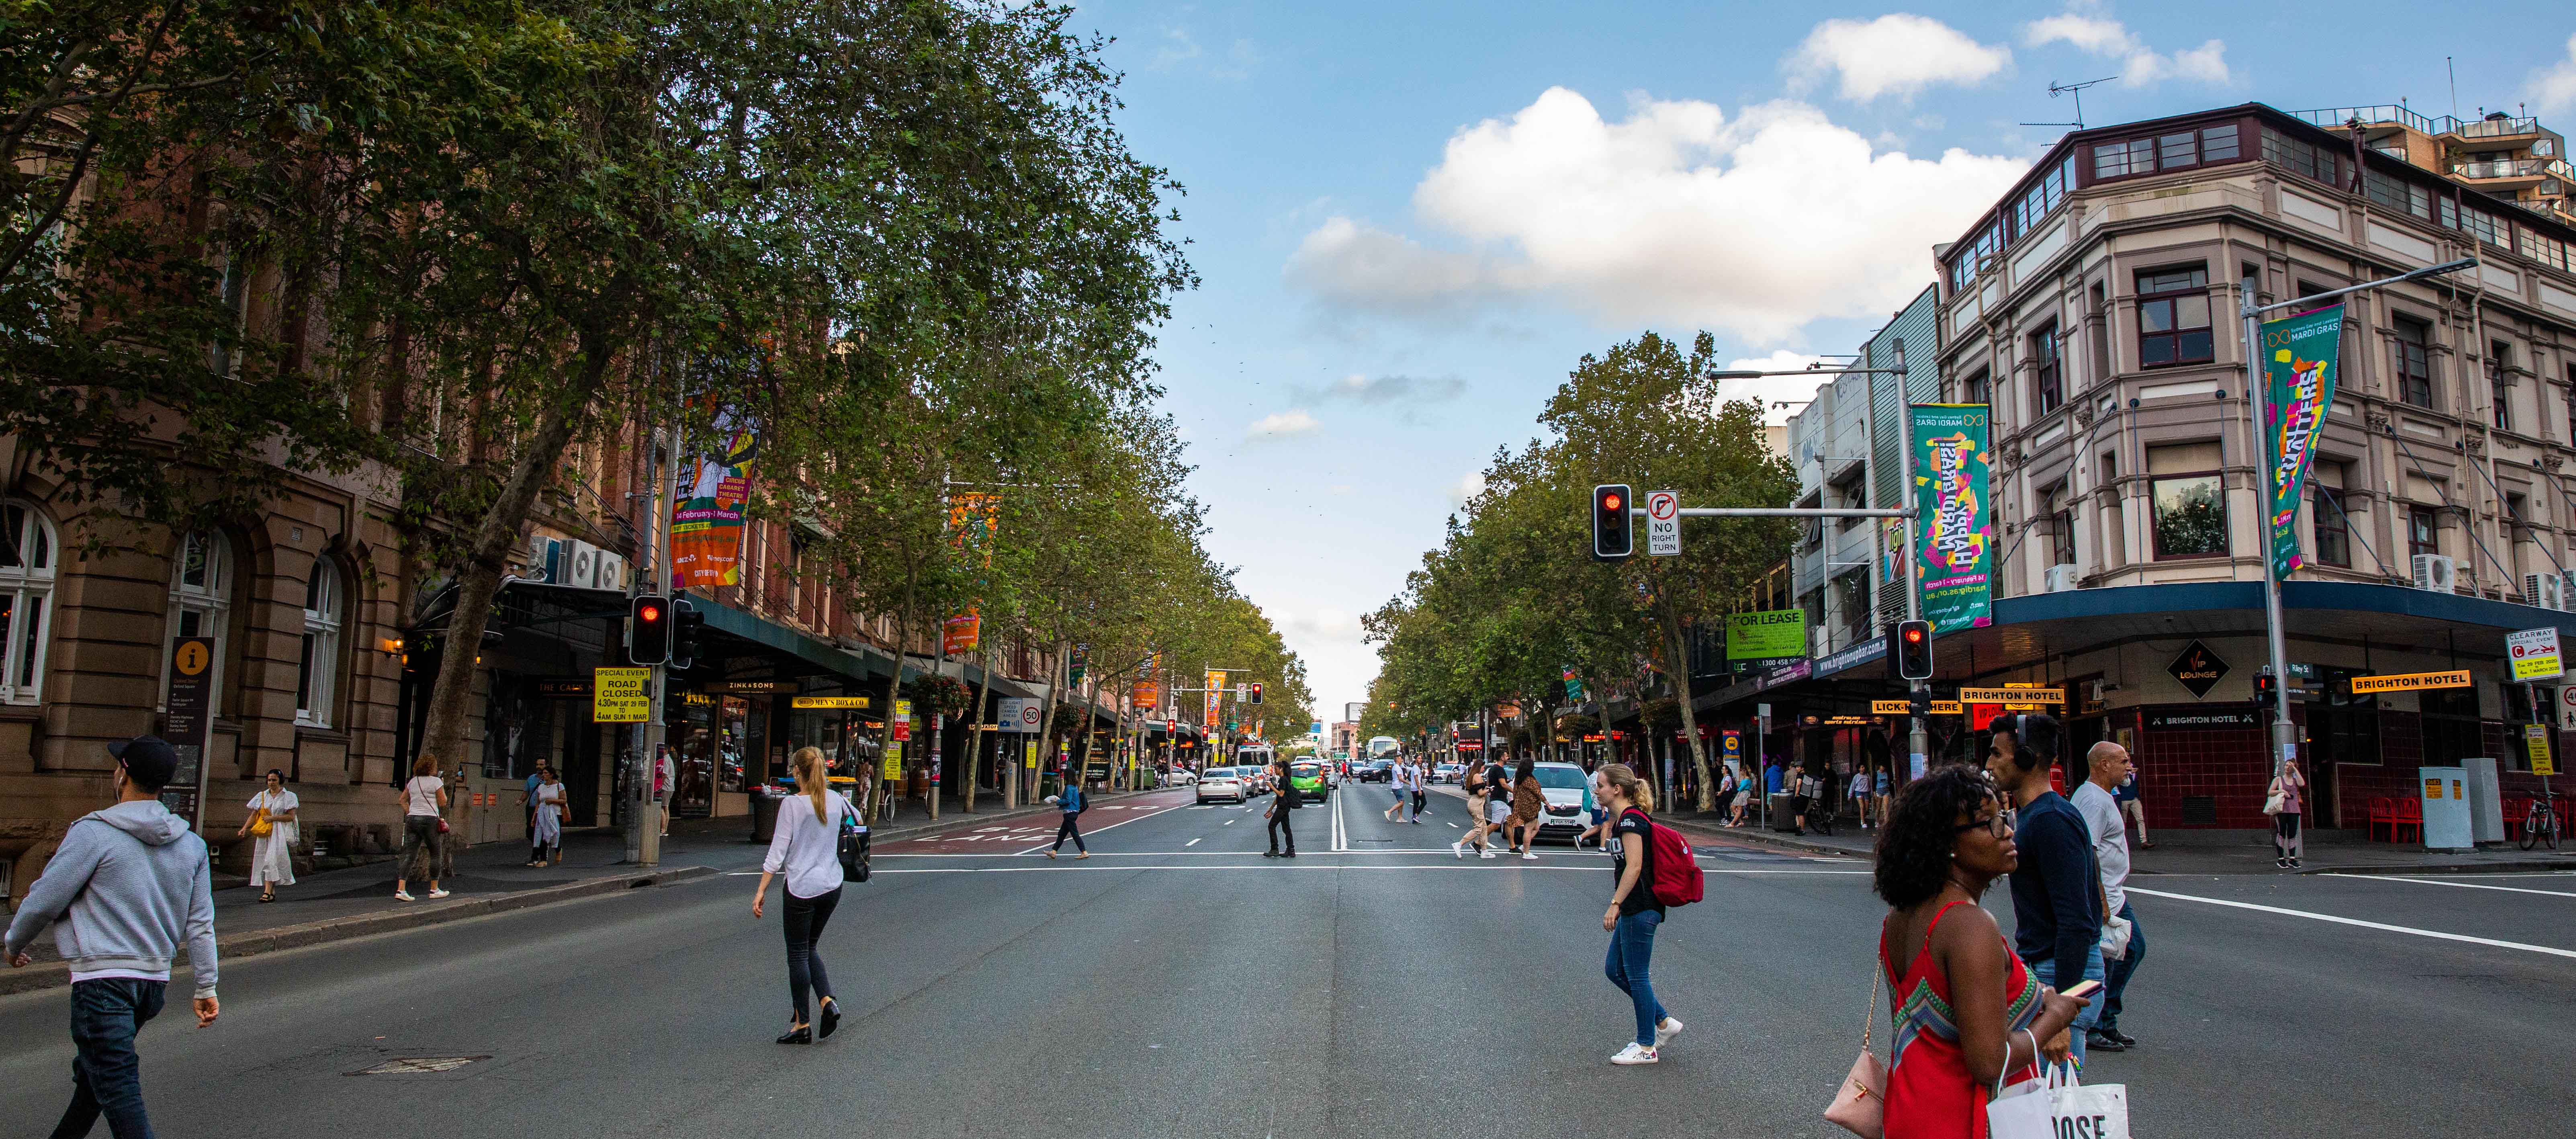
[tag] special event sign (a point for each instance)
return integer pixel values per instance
(2299, 381)
(1955, 556)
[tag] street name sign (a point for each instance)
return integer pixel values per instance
(618, 696)
(2534, 653)
(2011, 696)
(2410, 681)
(1663, 523)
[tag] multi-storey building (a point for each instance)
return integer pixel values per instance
(2510, 157)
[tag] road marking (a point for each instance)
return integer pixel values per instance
(1231, 822)
(2459, 885)
(1192, 842)
(2436, 934)
(1115, 825)
(1274, 865)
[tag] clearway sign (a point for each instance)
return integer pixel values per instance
(1663, 523)
(2534, 653)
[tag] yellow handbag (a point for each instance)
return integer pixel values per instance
(259, 825)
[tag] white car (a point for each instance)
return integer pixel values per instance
(1569, 800)
(1179, 777)
(1223, 783)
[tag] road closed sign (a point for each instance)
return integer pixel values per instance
(1663, 523)
(620, 696)
(2534, 653)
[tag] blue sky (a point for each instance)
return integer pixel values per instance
(1412, 218)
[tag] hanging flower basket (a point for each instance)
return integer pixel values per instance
(945, 695)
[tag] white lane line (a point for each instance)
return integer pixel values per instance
(1231, 822)
(2432, 933)
(1114, 826)
(2459, 885)
(1453, 826)
(1274, 865)
(1192, 842)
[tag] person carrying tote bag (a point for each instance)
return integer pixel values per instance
(2059, 1106)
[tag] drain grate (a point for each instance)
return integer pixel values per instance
(411, 1064)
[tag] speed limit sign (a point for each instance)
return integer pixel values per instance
(2567, 708)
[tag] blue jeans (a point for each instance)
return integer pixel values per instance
(1632, 951)
(2115, 976)
(2044, 971)
(106, 1077)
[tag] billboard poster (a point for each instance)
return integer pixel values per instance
(1770, 635)
(2299, 368)
(1952, 470)
(707, 519)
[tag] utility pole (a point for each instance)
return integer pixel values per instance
(644, 816)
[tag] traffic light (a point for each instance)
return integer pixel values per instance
(685, 624)
(1611, 537)
(1252, 695)
(648, 629)
(1912, 649)
(2266, 686)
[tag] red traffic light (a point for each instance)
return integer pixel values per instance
(1610, 501)
(1913, 634)
(650, 613)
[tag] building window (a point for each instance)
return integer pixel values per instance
(1979, 389)
(1973, 254)
(27, 555)
(2061, 537)
(2191, 516)
(2414, 362)
(2173, 317)
(2421, 536)
(201, 599)
(2397, 195)
(2050, 374)
(2120, 159)
(2500, 384)
(2305, 159)
(2043, 196)
(2218, 144)
(319, 668)
(2334, 534)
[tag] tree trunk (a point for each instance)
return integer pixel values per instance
(478, 582)
(975, 728)
(1706, 799)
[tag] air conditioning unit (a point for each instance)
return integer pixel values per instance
(2060, 578)
(545, 560)
(2545, 590)
(608, 572)
(2437, 573)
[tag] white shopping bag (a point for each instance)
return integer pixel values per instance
(2063, 1107)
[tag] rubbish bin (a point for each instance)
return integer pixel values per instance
(1784, 813)
(764, 815)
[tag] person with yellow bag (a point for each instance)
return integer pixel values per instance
(272, 826)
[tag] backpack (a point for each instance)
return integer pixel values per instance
(1676, 879)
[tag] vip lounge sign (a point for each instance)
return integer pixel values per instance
(2299, 381)
(1951, 470)
(2198, 669)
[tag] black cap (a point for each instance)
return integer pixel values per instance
(149, 761)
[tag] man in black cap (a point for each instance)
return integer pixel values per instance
(128, 885)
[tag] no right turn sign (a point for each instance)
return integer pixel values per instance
(1663, 523)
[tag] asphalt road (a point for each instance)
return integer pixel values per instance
(1176, 984)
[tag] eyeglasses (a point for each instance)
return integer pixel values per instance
(1999, 824)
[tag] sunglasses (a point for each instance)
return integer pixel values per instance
(1999, 824)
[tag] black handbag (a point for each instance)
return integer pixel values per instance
(854, 850)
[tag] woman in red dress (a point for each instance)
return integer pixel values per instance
(1965, 1011)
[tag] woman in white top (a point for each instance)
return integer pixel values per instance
(549, 800)
(806, 847)
(272, 860)
(424, 799)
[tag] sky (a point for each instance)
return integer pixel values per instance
(1411, 219)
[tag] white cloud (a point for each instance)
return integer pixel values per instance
(2139, 64)
(1395, 389)
(1898, 54)
(2553, 91)
(1676, 214)
(1771, 389)
(1323, 624)
(1282, 425)
(1468, 486)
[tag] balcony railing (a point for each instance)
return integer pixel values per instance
(2496, 127)
(2336, 118)
(2502, 168)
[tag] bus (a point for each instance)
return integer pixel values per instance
(1379, 747)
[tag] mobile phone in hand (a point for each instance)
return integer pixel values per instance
(2084, 988)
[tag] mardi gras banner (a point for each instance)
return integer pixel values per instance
(973, 519)
(706, 522)
(1954, 514)
(1215, 698)
(962, 634)
(2299, 382)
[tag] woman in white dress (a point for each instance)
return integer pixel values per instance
(550, 815)
(272, 862)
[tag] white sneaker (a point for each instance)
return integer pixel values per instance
(402, 895)
(1458, 848)
(1528, 857)
(438, 893)
(1666, 1031)
(1487, 854)
(1634, 1053)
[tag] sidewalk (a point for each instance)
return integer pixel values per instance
(2324, 855)
(334, 905)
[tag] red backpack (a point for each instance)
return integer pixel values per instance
(1676, 877)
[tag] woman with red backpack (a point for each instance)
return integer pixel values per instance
(1635, 911)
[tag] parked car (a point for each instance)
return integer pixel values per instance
(1179, 777)
(1569, 800)
(1223, 783)
(1449, 773)
(1307, 776)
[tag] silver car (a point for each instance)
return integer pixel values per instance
(1225, 783)
(1569, 800)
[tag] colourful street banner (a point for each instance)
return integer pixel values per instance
(963, 634)
(1573, 686)
(706, 523)
(1215, 697)
(1955, 514)
(2299, 365)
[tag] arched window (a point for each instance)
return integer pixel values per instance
(316, 676)
(201, 601)
(27, 556)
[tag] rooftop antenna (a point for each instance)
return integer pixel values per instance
(2077, 90)
(2454, 71)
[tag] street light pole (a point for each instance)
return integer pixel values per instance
(2285, 735)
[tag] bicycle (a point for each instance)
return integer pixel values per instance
(2540, 824)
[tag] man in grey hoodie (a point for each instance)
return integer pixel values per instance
(128, 884)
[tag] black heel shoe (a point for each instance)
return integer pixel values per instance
(831, 1019)
(804, 1035)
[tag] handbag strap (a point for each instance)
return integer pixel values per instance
(1869, 1014)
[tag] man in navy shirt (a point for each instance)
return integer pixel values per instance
(2057, 889)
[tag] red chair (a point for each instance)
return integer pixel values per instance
(2383, 812)
(2410, 817)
